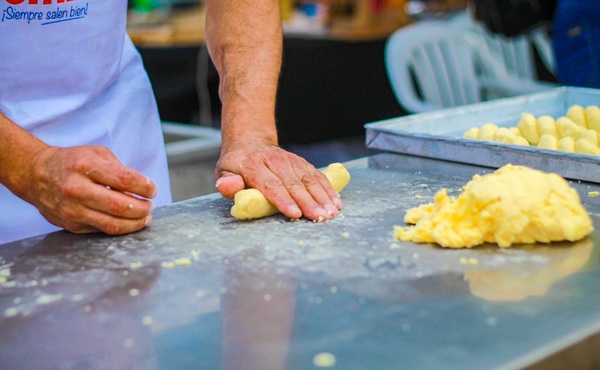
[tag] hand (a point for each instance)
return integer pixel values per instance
(86, 189)
(288, 181)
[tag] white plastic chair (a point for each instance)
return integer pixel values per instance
(516, 55)
(433, 64)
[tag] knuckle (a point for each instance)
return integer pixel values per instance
(103, 151)
(113, 227)
(309, 180)
(125, 177)
(276, 158)
(81, 164)
(294, 185)
(69, 212)
(71, 190)
(116, 207)
(272, 183)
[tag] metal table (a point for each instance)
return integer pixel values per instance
(198, 289)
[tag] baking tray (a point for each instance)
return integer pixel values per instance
(439, 134)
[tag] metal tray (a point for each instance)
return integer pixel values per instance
(439, 134)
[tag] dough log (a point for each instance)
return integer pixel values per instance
(251, 203)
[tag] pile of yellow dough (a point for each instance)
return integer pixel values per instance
(576, 132)
(513, 205)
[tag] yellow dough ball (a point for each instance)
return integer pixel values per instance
(472, 133)
(520, 140)
(590, 135)
(548, 141)
(584, 146)
(503, 135)
(516, 131)
(528, 127)
(592, 114)
(566, 127)
(577, 114)
(546, 125)
(487, 131)
(566, 144)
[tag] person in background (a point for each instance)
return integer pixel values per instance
(81, 145)
(576, 42)
(573, 28)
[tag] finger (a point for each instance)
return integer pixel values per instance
(71, 226)
(278, 195)
(121, 204)
(333, 195)
(111, 202)
(111, 225)
(295, 198)
(123, 178)
(229, 184)
(307, 188)
(315, 194)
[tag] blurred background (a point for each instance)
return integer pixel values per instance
(333, 80)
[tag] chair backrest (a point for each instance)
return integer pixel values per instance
(435, 64)
(431, 67)
(516, 55)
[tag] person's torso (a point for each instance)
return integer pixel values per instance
(70, 75)
(70, 49)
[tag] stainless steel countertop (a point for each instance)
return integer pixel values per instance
(274, 293)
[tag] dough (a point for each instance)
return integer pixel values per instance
(578, 123)
(591, 136)
(487, 131)
(577, 114)
(584, 146)
(251, 203)
(547, 126)
(520, 140)
(529, 129)
(566, 144)
(566, 127)
(515, 130)
(548, 141)
(592, 114)
(472, 133)
(504, 135)
(515, 204)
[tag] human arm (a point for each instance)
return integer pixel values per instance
(244, 40)
(81, 189)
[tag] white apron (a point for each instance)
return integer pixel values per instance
(70, 75)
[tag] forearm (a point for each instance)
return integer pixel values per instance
(18, 150)
(244, 40)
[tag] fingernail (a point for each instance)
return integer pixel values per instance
(331, 210)
(218, 183)
(322, 213)
(148, 219)
(294, 210)
(338, 202)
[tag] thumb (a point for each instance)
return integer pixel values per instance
(229, 184)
